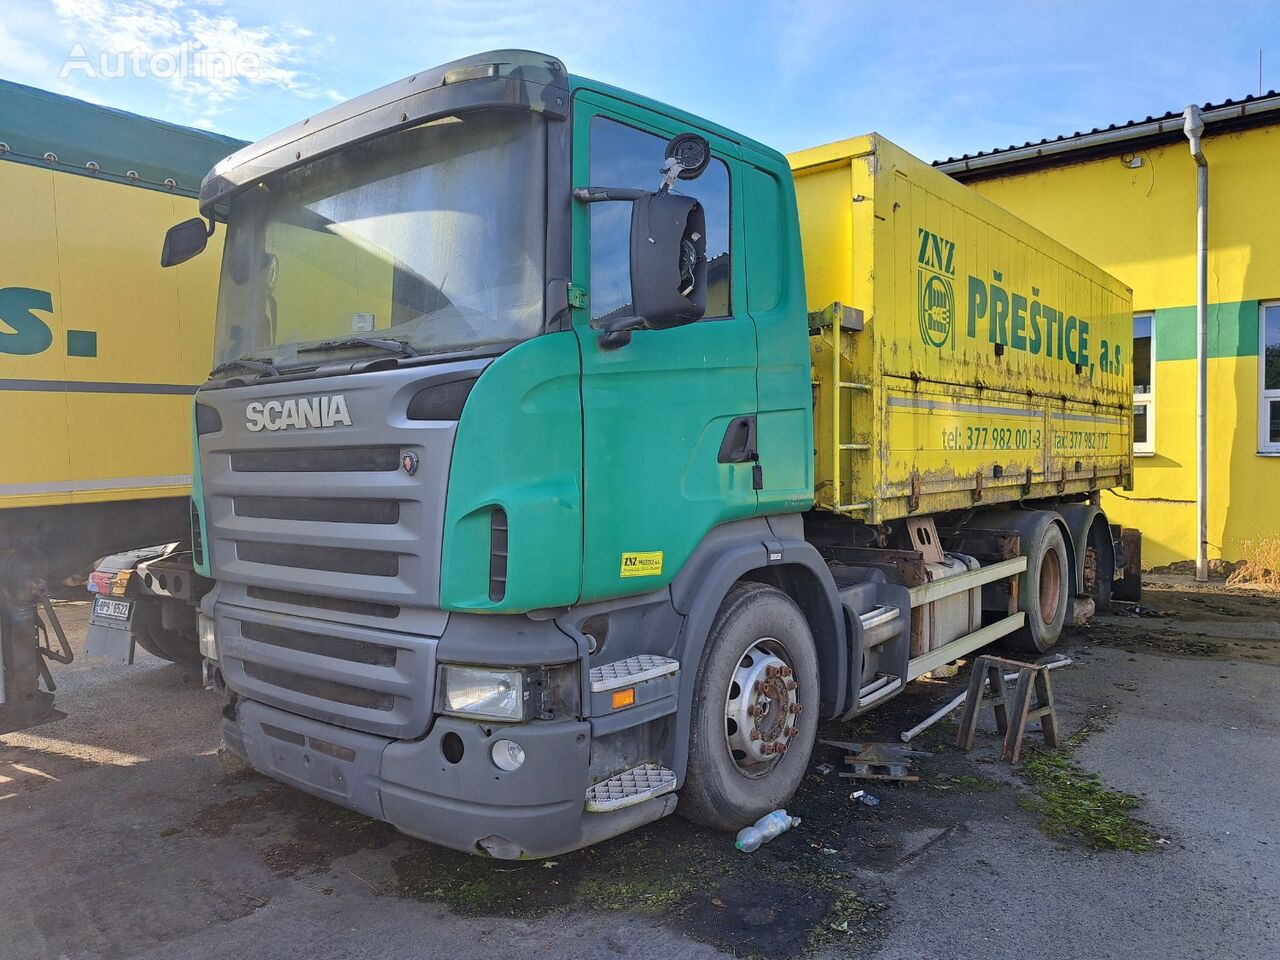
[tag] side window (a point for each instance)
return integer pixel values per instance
(1144, 383)
(623, 156)
(1269, 379)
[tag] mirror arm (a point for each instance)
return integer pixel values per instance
(617, 333)
(597, 194)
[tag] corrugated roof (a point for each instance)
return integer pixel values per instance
(1245, 111)
(35, 123)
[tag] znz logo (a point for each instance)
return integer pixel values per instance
(299, 414)
(934, 275)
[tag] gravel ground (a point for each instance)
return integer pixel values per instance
(123, 836)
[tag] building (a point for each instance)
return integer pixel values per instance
(1125, 198)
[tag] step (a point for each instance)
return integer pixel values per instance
(879, 689)
(878, 616)
(629, 788)
(633, 670)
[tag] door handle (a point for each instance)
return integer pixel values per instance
(739, 443)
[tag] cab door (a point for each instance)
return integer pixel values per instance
(663, 414)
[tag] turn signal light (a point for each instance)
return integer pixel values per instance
(624, 698)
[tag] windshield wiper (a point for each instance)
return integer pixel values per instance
(245, 363)
(378, 343)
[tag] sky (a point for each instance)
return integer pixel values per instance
(942, 79)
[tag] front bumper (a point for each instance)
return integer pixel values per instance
(469, 805)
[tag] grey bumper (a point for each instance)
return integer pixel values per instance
(470, 805)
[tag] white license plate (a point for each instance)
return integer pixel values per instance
(115, 609)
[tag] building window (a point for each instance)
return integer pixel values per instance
(1144, 383)
(1269, 378)
(623, 156)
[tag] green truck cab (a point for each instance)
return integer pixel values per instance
(506, 471)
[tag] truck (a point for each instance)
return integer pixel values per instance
(101, 352)
(568, 457)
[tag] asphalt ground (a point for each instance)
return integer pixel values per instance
(122, 834)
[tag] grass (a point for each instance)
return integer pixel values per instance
(849, 916)
(1260, 565)
(1073, 802)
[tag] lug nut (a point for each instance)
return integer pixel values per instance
(755, 735)
(787, 671)
(755, 710)
(761, 687)
(772, 670)
(792, 731)
(792, 685)
(796, 708)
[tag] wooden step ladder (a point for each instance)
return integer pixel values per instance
(1011, 717)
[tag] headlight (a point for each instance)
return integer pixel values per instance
(482, 692)
(208, 643)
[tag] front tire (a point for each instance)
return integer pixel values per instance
(760, 644)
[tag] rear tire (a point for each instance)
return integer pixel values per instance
(171, 645)
(1044, 593)
(728, 785)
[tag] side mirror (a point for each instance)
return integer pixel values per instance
(184, 240)
(668, 260)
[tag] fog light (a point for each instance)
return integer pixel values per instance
(507, 755)
(208, 643)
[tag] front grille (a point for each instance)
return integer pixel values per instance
(339, 648)
(318, 510)
(370, 563)
(320, 689)
(319, 460)
(337, 604)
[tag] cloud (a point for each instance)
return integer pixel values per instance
(205, 56)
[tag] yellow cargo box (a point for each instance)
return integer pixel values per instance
(961, 358)
(101, 349)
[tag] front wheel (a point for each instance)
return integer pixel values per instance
(755, 710)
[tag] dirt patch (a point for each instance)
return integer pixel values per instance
(319, 834)
(1189, 620)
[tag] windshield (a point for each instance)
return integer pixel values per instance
(433, 237)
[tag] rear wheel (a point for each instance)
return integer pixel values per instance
(1044, 592)
(754, 710)
(172, 645)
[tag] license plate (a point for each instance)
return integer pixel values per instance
(113, 609)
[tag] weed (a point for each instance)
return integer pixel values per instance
(849, 916)
(1260, 566)
(1073, 802)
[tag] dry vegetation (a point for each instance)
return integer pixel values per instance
(1260, 566)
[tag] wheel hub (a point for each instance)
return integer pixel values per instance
(762, 708)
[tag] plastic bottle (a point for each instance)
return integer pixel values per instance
(763, 830)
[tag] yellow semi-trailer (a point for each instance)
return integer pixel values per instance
(518, 536)
(100, 350)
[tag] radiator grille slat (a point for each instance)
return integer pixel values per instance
(320, 689)
(363, 608)
(317, 460)
(339, 648)
(369, 563)
(323, 510)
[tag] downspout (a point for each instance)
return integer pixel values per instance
(1193, 127)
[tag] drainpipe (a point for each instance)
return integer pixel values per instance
(1193, 127)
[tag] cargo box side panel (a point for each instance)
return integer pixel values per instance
(982, 299)
(835, 194)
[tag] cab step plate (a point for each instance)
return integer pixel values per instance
(630, 787)
(624, 673)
